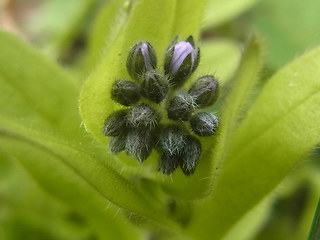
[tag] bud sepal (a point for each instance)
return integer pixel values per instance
(142, 57)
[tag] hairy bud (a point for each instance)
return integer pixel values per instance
(125, 92)
(204, 124)
(181, 60)
(180, 107)
(168, 163)
(154, 86)
(117, 144)
(143, 116)
(190, 155)
(139, 143)
(115, 124)
(171, 140)
(141, 58)
(205, 91)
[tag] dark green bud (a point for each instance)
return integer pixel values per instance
(205, 91)
(117, 144)
(143, 116)
(125, 92)
(204, 124)
(168, 163)
(190, 155)
(115, 123)
(141, 58)
(139, 143)
(171, 140)
(180, 107)
(154, 86)
(181, 60)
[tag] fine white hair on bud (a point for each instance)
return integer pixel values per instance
(154, 86)
(190, 155)
(150, 93)
(143, 116)
(115, 124)
(181, 107)
(181, 60)
(139, 143)
(204, 124)
(171, 140)
(141, 58)
(117, 144)
(168, 163)
(125, 92)
(205, 91)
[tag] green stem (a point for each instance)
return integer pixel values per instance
(315, 228)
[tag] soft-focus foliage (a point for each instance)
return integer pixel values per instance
(55, 165)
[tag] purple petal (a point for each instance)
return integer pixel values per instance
(181, 51)
(145, 52)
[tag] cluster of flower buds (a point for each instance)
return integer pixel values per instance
(138, 129)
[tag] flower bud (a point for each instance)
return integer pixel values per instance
(117, 144)
(141, 58)
(190, 155)
(139, 143)
(205, 91)
(204, 124)
(181, 60)
(143, 116)
(168, 163)
(180, 107)
(154, 86)
(115, 123)
(125, 92)
(171, 140)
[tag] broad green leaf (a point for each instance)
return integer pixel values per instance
(294, 208)
(242, 88)
(57, 23)
(26, 210)
(313, 201)
(277, 21)
(280, 128)
(28, 79)
(188, 17)
(221, 58)
(221, 11)
(62, 181)
(95, 100)
(248, 226)
(36, 108)
(109, 22)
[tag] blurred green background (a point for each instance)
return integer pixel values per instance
(61, 30)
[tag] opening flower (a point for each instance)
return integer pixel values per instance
(181, 60)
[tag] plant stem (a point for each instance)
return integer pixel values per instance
(315, 227)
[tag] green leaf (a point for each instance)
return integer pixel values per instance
(220, 11)
(242, 87)
(95, 100)
(40, 126)
(58, 22)
(279, 29)
(32, 87)
(280, 128)
(220, 57)
(314, 231)
(26, 210)
(63, 181)
(248, 226)
(109, 22)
